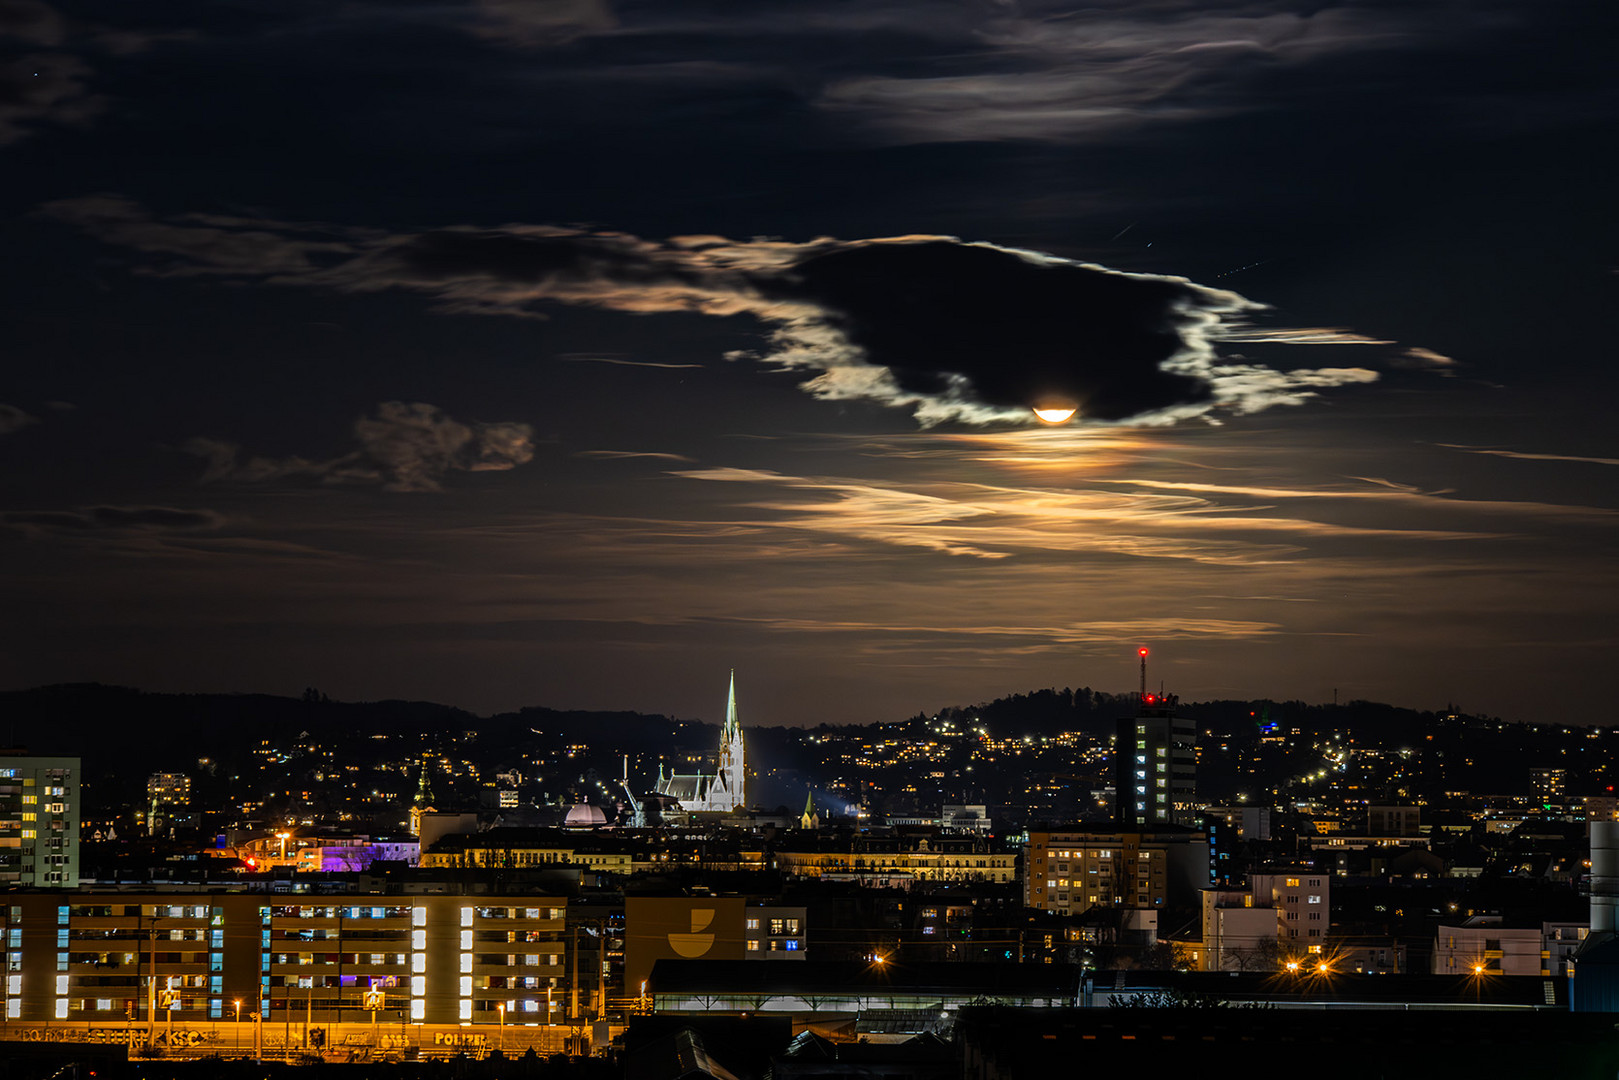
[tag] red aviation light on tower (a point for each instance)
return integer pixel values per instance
(1142, 652)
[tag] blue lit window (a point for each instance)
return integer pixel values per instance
(791, 944)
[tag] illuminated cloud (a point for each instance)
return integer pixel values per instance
(405, 447)
(988, 521)
(951, 331)
(1422, 359)
(1521, 455)
(1118, 68)
(1300, 335)
(624, 455)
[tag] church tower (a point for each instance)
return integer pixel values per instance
(733, 772)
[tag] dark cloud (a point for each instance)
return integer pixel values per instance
(33, 22)
(13, 419)
(1015, 329)
(92, 519)
(541, 22)
(969, 332)
(404, 447)
(40, 88)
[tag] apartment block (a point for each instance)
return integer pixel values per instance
(1072, 870)
(193, 956)
(39, 821)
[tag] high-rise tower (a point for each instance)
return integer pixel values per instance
(1155, 762)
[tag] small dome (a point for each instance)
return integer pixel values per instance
(584, 816)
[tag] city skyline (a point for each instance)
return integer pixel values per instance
(570, 355)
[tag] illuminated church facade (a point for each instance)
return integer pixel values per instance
(724, 790)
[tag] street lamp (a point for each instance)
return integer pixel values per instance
(238, 1037)
(502, 1044)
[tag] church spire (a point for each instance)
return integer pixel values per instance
(732, 726)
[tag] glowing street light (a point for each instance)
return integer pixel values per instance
(238, 1028)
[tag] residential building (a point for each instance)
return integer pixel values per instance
(1070, 870)
(39, 821)
(165, 792)
(435, 958)
(1485, 945)
(1302, 900)
(1237, 934)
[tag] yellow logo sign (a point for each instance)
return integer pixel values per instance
(696, 943)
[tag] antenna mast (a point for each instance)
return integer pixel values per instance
(1142, 652)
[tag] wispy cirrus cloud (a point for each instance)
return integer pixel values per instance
(405, 447)
(624, 455)
(1524, 455)
(949, 330)
(989, 521)
(1061, 76)
(114, 519)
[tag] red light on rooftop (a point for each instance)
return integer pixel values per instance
(1141, 651)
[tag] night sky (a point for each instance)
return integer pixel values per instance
(573, 352)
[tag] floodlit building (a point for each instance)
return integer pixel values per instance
(39, 821)
(725, 789)
(895, 861)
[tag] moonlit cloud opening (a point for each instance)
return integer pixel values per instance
(951, 331)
